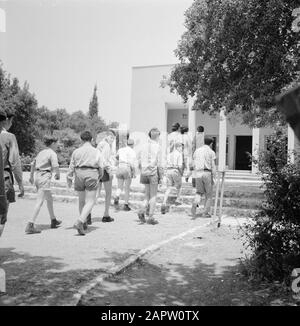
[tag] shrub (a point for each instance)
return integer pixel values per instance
(274, 238)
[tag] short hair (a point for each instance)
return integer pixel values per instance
(3, 115)
(184, 129)
(155, 130)
(208, 140)
(10, 113)
(48, 140)
(86, 135)
(200, 129)
(112, 132)
(175, 126)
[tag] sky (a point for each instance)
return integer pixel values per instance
(64, 47)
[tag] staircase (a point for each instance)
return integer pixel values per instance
(243, 194)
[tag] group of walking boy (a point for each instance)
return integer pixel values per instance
(90, 167)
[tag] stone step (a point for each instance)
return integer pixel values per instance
(237, 191)
(136, 205)
(186, 192)
(246, 203)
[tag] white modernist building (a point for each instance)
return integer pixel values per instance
(154, 106)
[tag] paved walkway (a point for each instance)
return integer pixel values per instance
(49, 268)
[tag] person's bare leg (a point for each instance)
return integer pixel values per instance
(120, 187)
(152, 201)
(90, 200)
(147, 197)
(195, 204)
(166, 196)
(39, 202)
(108, 192)
(49, 200)
(127, 190)
(178, 198)
(207, 204)
(81, 200)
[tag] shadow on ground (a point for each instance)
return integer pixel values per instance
(35, 280)
(146, 284)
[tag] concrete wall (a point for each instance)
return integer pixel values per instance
(148, 99)
(153, 106)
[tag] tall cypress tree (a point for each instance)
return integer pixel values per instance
(93, 107)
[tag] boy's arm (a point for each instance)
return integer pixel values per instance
(32, 169)
(55, 166)
(71, 171)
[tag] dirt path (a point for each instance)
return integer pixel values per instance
(49, 268)
(201, 269)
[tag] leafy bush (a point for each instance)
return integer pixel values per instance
(274, 238)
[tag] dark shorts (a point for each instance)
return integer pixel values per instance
(149, 179)
(204, 185)
(86, 179)
(10, 195)
(106, 177)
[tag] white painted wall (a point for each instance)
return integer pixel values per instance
(150, 104)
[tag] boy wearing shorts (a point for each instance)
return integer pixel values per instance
(87, 166)
(150, 164)
(174, 175)
(126, 158)
(204, 174)
(106, 150)
(43, 166)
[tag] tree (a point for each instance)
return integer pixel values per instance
(93, 107)
(238, 54)
(24, 105)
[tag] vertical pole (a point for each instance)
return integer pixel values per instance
(217, 195)
(255, 148)
(291, 144)
(191, 117)
(221, 198)
(222, 162)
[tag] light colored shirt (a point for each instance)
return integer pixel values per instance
(11, 157)
(198, 141)
(150, 157)
(175, 160)
(204, 158)
(173, 137)
(107, 154)
(187, 145)
(127, 156)
(46, 160)
(86, 156)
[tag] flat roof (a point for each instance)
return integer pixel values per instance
(153, 66)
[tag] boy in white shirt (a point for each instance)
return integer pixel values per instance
(204, 172)
(174, 174)
(127, 165)
(44, 164)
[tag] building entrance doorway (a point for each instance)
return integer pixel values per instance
(177, 115)
(243, 147)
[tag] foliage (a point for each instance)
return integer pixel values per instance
(93, 107)
(23, 104)
(275, 236)
(31, 122)
(237, 54)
